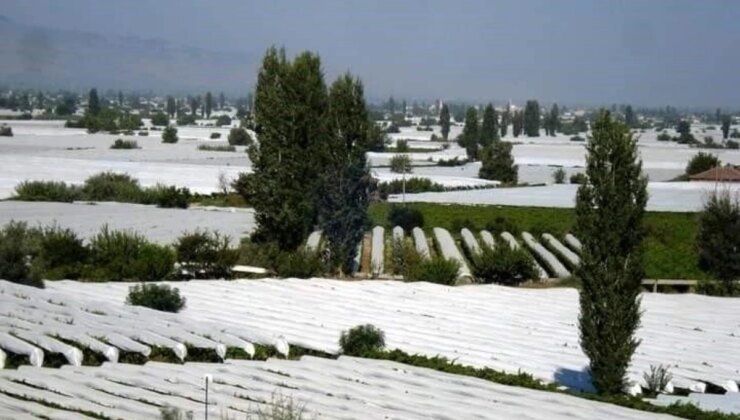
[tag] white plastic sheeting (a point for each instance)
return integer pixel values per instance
(514, 244)
(420, 241)
(488, 239)
(346, 388)
(536, 330)
(573, 242)
(470, 242)
(312, 243)
(556, 266)
(398, 234)
(34, 321)
(377, 253)
(448, 249)
(561, 249)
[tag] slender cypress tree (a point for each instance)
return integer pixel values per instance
(444, 121)
(532, 119)
(517, 123)
(343, 199)
(209, 105)
(93, 103)
(471, 134)
(609, 213)
(171, 106)
(221, 101)
(505, 121)
(726, 121)
(489, 126)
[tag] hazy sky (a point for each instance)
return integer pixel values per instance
(653, 52)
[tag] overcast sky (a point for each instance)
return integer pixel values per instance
(651, 52)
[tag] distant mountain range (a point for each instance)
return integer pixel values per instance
(37, 57)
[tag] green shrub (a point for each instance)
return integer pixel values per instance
(61, 254)
(110, 186)
(167, 196)
(702, 162)
(17, 249)
(718, 240)
(300, 264)
(401, 164)
(457, 224)
(503, 265)
(361, 339)
(436, 270)
(215, 135)
(452, 162)
(664, 136)
(124, 255)
(578, 178)
(217, 147)
(125, 144)
(406, 217)
(559, 176)
(206, 254)
(577, 138)
(223, 120)
(6, 131)
(239, 137)
(47, 191)
(501, 224)
(402, 146)
(169, 135)
(404, 258)
(143, 133)
(160, 118)
(186, 120)
(731, 144)
(413, 185)
(156, 296)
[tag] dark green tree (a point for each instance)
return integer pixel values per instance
(609, 219)
(345, 180)
(532, 119)
(208, 105)
(497, 163)
(444, 121)
(718, 240)
(392, 105)
(489, 126)
(171, 106)
(120, 98)
(290, 116)
(194, 105)
(517, 123)
(169, 135)
(40, 100)
(93, 103)
(552, 121)
(505, 121)
(701, 162)
(471, 134)
(726, 122)
(221, 101)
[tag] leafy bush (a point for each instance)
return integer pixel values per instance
(110, 186)
(664, 136)
(300, 264)
(503, 265)
(281, 408)
(215, 135)
(702, 162)
(401, 164)
(17, 248)
(559, 176)
(143, 133)
(174, 413)
(217, 147)
(361, 339)
(47, 191)
(123, 255)
(578, 178)
(404, 258)
(718, 240)
(206, 254)
(125, 144)
(452, 162)
(406, 217)
(160, 118)
(166, 196)
(731, 144)
(413, 185)
(497, 163)
(61, 254)
(402, 146)
(223, 120)
(6, 131)
(156, 296)
(501, 224)
(169, 135)
(239, 137)
(577, 138)
(436, 270)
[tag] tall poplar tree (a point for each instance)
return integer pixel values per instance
(517, 123)
(444, 121)
(291, 106)
(93, 103)
(208, 105)
(489, 126)
(471, 134)
(171, 106)
(505, 121)
(609, 220)
(343, 199)
(532, 119)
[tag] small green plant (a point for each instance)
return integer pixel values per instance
(123, 255)
(125, 144)
(61, 254)
(361, 339)
(402, 146)
(406, 217)
(6, 131)
(559, 176)
(577, 138)
(166, 196)
(110, 186)
(401, 164)
(501, 224)
(664, 136)
(239, 137)
(206, 254)
(156, 296)
(503, 265)
(169, 135)
(217, 147)
(47, 191)
(578, 178)
(657, 379)
(281, 408)
(702, 162)
(404, 258)
(17, 249)
(436, 270)
(215, 135)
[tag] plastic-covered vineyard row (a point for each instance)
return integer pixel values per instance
(346, 388)
(35, 325)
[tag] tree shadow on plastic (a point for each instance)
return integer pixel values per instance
(579, 380)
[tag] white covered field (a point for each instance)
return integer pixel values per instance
(510, 329)
(157, 224)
